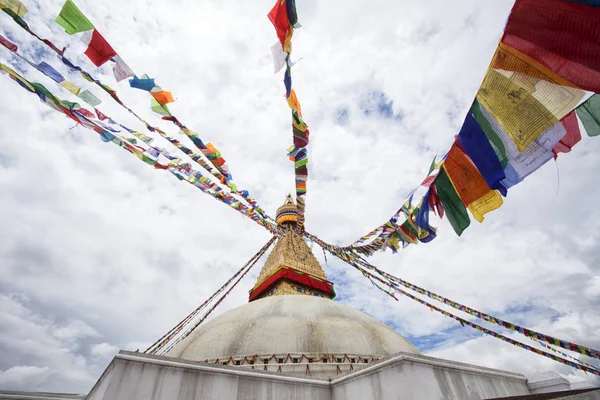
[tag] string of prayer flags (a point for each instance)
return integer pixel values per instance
(101, 51)
(393, 283)
(148, 84)
(149, 156)
(284, 18)
(14, 6)
(589, 114)
(561, 35)
(98, 51)
(72, 19)
(521, 118)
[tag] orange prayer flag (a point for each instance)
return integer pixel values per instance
(469, 184)
(294, 103)
(163, 97)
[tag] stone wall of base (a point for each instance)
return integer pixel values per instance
(427, 378)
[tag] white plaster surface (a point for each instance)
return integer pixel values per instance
(291, 324)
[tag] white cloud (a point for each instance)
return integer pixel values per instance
(100, 251)
(23, 374)
(104, 350)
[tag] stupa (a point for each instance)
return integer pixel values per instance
(292, 340)
(291, 324)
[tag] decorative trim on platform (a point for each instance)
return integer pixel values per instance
(293, 275)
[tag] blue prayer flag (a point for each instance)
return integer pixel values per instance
(478, 148)
(50, 72)
(144, 84)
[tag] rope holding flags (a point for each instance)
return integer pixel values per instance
(542, 80)
(99, 51)
(354, 262)
(147, 154)
(285, 18)
(393, 281)
(162, 342)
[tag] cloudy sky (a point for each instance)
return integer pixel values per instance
(99, 252)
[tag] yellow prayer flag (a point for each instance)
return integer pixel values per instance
(484, 205)
(71, 87)
(524, 97)
(15, 6)
(294, 103)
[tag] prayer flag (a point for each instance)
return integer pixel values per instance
(89, 98)
(571, 138)
(72, 19)
(50, 72)
(8, 44)
(469, 184)
(101, 116)
(589, 114)
(453, 205)
(71, 87)
(278, 57)
(492, 136)
(279, 19)
(15, 6)
(163, 97)
(143, 83)
(99, 51)
(525, 97)
(121, 70)
(159, 108)
(478, 148)
(563, 36)
(291, 13)
(521, 164)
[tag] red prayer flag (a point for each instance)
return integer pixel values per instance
(101, 116)
(99, 51)
(8, 44)
(84, 112)
(571, 138)
(279, 18)
(561, 35)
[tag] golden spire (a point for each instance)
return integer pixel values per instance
(291, 268)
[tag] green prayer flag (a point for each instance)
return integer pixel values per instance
(160, 109)
(69, 104)
(589, 114)
(302, 162)
(455, 209)
(89, 98)
(39, 88)
(491, 134)
(72, 19)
